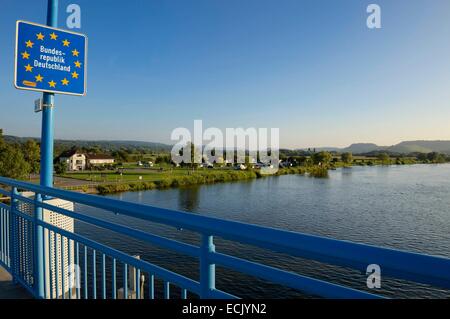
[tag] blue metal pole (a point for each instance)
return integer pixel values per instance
(46, 162)
(39, 252)
(47, 113)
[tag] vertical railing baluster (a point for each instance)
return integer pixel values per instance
(2, 240)
(8, 238)
(114, 288)
(207, 269)
(85, 273)
(151, 287)
(94, 274)
(166, 290)
(3, 214)
(2, 231)
(71, 270)
(55, 243)
(103, 276)
(138, 283)
(125, 281)
(38, 253)
(183, 293)
(50, 264)
(14, 233)
(45, 261)
(78, 279)
(63, 275)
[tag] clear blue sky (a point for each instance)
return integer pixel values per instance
(311, 68)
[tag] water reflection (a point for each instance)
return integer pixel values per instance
(188, 198)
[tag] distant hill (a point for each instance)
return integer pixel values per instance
(103, 144)
(406, 147)
(359, 148)
(421, 147)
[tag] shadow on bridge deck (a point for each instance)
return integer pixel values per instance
(9, 290)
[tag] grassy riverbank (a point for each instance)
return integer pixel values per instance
(198, 178)
(109, 182)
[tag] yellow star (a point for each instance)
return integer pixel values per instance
(65, 81)
(39, 78)
(28, 68)
(66, 43)
(25, 55)
(40, 36)
(52, 84)
(53, 36)
(78, 64)
(75, 75)
(29, 44)
(75, 52)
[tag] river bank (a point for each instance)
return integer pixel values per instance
(208, 177)
(143, 179)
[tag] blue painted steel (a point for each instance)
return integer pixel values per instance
(114, 288)
(13, 231)
(103, 276)
(63, 270)
(55, 258)
(50, 273)
(166, 290)
(47, 143)
(78, 278)
(94, 275)
(151, 287)
(70, 270)
(85, 273)
(180, 280)
(207, 269)
(39, 266)
(125, 281)
(138, 284)
(399, 264)
(47, 113)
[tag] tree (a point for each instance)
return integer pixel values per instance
(32, 155)
(60, 167)
(347, 158)
(321, 158)
(435, 157)
(384, 158)
(2, 142)
(422, 157)
(12, 162)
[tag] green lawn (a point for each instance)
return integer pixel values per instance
(144, 175)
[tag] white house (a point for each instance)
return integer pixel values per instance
(99, 160)
(76, 161)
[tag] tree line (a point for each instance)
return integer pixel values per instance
(19, 160)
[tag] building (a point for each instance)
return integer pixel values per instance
(79, 161)
(99, 160)
(75, 160)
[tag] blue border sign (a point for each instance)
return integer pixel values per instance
(49, 59)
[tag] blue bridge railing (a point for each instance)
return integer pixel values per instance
(42, 252)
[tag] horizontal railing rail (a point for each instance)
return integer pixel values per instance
(415, 267)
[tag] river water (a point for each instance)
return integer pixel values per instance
(404, 207)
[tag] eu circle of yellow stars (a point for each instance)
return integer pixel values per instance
(39, 78)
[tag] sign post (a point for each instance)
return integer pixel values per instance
(52, 61)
